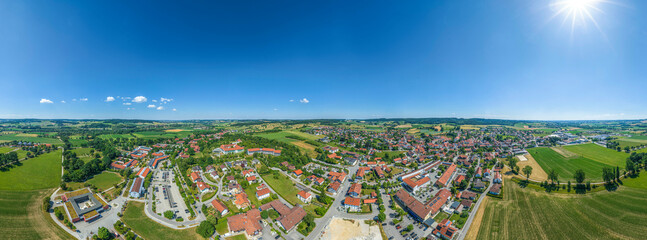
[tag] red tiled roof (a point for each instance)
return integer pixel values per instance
(352, 201)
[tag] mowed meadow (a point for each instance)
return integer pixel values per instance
(530, 214)
(566, 160)
(22, 189)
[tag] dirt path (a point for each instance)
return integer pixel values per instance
(476, 222)
(538, 173)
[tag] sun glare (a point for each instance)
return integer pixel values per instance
(578, 12)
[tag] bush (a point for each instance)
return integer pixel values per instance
(206, 229)
(179, 219)
(169, 214)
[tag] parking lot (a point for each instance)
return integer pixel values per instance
(167, 195)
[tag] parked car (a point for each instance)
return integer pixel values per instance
(398, 227)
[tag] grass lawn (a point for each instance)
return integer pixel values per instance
(78, 142)
(632, 141)
(222, 227)
(283, 137)
(458, 220)
(109, 136)
(637, 182)
(29, 138)
(441, 216)
(283, 186)
(366, 192)
(83, 154)
(161, 134)
(208, 196)
(565, 167)
(237, 237)
(251, 194)
(528, 214)
(22, 217)
(598, 153)
(105, 180)
(41, 172)
(135, 218)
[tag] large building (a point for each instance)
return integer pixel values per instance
(137, 189)
(228, 149)
(82, 204)
(266, 151)
(289, 217)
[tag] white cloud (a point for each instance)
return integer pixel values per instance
(174, 109)
(62, 101)
(160, 108)
(166, 100)
(151, 106)
(291, 100)
(304, 100)
(128, 104)
(110, 99)
(276, 109)
(140, 99)
(130, 108)
(43, 100)
(74, 100)
(154, 100)
(84, 99)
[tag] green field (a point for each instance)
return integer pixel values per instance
(83, 154)
(6, 149)
(19, 137)
(566, 166)
(599, 153)
(21, 216)
(109, 136)
(162, 134)
(283, 186)
(528, 214)
(41, 172)
(282, 136)
(105, 180)
(222, 226)
(78, 142)
(135, 218)
(632, 141)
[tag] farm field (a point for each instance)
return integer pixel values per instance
(529, 214)
(109, 136)
(632, 141)
(161, 134)
(40, 172)
(21, 216)
(599, 153)
(283, 136)
(6, 149)
(135, 218)
(565, 167)
(28, 138)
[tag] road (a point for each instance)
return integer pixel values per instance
(468, 223)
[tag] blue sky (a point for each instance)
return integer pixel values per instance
(349, 59)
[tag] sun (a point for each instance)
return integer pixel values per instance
(578, 12)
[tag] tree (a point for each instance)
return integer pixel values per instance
(410, 227)
(265, 214)
(381, 217)
(579, 176)
(630, 166)
(104, 234)
(169, 214)
(206, 229)
(527, 170)
(513, 164)
(607, 175)
(553, 176)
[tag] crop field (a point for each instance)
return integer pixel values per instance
(40, 172)
(632, 141)
(109, 136)
(28, 138)
(78, 142)
(161, 134)
(21, 216)
(284, 136)
(529, 214)
(6, 149)
(599, 153)
(135, 218)
(566, 166)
